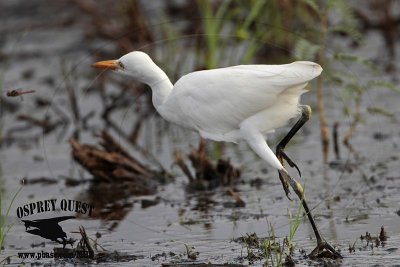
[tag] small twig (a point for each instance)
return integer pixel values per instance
(86, 118)
(71, 95)
(110, 145)
(109, 107)
(116, 128)
(150, 157)
(336, 140)
(44, 123)
(179, 161)
(58, 111)
(135, 131)
(85, 241)
(98, 245)
(145, 153)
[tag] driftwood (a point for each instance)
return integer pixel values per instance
(117, 176)
(114, 164)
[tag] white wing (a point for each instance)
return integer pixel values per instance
(217, 101)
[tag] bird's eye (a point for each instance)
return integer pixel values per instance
(121, 65)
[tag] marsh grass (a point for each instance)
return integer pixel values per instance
(293, 226)
(273, 251)
(5, 225)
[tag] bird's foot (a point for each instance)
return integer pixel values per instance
(281, 155)
(324, 250)
(290, 162)
(285, 183)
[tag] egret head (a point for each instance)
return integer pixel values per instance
(135, 64)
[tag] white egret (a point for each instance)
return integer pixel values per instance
(231, 104)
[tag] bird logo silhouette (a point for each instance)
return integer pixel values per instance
(49, 229)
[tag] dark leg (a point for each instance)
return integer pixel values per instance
(321, 243)
(281, 155)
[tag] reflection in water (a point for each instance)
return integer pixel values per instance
(112, 201)
(327, 186)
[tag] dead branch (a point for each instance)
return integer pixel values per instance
(113, 163)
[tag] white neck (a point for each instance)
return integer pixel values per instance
(159, 83)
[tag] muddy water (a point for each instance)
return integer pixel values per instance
(350, 197)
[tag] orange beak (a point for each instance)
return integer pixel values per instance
(107, 64)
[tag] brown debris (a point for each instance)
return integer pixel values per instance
(379, 240)
(110, 145)
(238, 200)
(382, 235)
(207, 175)
(117, 176)
(113, 163)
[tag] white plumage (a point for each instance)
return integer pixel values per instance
(217, 102)
(228, 104)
